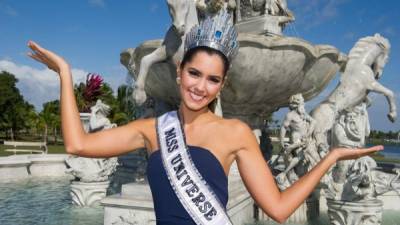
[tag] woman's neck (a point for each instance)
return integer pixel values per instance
(190, 117)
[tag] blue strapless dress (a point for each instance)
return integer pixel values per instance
(167, 206)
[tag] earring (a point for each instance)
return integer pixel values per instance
(178, 80)
(218, 107)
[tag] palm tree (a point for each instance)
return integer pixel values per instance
(49, 117)
(125, 101)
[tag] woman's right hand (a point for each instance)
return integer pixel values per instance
(354, 153)
(48, 58)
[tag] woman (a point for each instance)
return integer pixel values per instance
(214, 142)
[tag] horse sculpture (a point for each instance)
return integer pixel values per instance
(184, 17)
(365, 65)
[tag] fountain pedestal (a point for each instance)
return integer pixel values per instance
(88, 193)
(365, 212)
(133, 206)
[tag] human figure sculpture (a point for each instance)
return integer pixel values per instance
(275, 13)
(349, 131)
(297, 153)
(363, 181)
(355, 184)
(207, 7)
(357, 202)
(359, 182)
(365, 65)
(352, 127)
(278, 16)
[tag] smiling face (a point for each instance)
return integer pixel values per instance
(202, 78)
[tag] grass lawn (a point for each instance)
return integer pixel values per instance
(53, 149)
(380, 158)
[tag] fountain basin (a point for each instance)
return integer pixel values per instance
(14, 168)
(23, 166)
(48, 165)
(47, 201)
(265, 73)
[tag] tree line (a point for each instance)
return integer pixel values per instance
(18, 118)
(377, 134)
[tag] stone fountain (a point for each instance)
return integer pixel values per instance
(261, 65)
(274, 67)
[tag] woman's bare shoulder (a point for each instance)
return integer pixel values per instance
(236, 131)
(239, 137)
(235, 125)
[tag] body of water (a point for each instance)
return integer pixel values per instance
(43, 201)
(392, 151)
(390, 217)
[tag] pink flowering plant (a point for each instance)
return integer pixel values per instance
(87, 94)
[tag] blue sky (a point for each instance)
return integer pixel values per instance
(90, 34)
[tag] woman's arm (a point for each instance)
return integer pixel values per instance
(260, 182)
(105, 143)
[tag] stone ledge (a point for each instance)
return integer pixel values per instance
(24, 166)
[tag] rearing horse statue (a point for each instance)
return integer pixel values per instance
(184, 17)
(365, 65)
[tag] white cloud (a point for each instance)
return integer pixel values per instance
(6, 58)
(8, 10)
(390, 31)
(97, 3)
(38, 85)
(350, 36)
(315, 12)
(117, 76)
(381, 20)
(154, 7)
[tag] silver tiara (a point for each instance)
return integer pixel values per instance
(217, 32)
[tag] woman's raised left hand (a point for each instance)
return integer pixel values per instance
(47, 57)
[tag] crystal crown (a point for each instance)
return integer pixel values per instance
(217, 32)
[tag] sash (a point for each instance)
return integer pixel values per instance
(192, 190)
